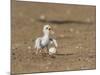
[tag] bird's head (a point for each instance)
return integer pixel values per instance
(47, 29)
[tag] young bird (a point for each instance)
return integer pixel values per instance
(45, 40)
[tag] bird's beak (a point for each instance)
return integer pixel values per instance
(51, 31)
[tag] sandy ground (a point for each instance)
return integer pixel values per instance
(75, 30)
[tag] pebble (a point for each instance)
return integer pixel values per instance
(13, 48)
(88, 20)
(25, 42)
(13, 53)
(68, 68)
(62, 36)
(42, 17)
(49, 63)
(29, 47)
(79, 59)
(47, 67)
(71, 30)
(77, 46)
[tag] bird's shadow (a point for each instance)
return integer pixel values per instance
(64, 54)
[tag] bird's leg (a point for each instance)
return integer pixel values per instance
(40, 51)
(37, 51)
(47, 50)
(55, 42)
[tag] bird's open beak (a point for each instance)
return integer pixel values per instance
(51, 31)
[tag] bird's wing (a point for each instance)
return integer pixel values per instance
(54, 41)
(37, 43)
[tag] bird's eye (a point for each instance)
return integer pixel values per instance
(46, 27)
